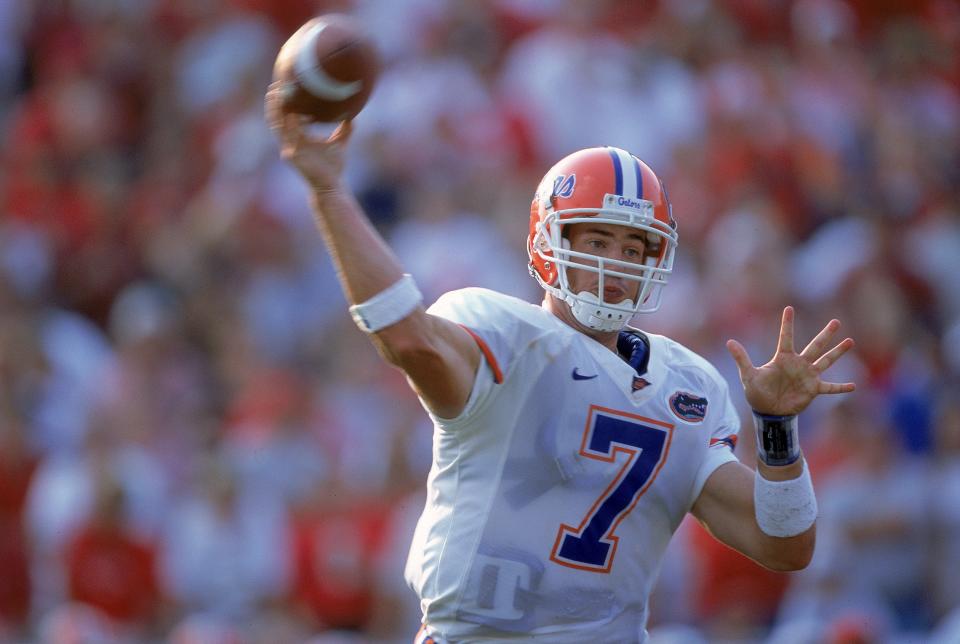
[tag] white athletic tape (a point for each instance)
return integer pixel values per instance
(785, 508)
(389, 306)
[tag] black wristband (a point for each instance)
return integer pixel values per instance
(778, 440)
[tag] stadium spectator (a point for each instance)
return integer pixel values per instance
(109, 568)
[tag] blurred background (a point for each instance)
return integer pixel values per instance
(198, 446)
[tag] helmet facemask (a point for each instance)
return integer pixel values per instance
(591, 309)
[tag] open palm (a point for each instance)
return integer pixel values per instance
(789, 381)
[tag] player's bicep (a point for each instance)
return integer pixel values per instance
(725, 506)
(439, 357)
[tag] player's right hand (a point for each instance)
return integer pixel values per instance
(317, 156)
(786, 384)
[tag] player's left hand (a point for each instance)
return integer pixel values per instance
(790, 380)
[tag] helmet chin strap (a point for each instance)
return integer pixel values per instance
(591, 313)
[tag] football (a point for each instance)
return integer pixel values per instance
(326, 69)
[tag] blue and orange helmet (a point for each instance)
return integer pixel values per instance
(611, 186)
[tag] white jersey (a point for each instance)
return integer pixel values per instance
(553, 495)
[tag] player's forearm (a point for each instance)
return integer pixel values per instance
(785, 510)
(364, 262)
(785, 554)
(366, 267)
(781, 553)
(727, 507)
(438, 356)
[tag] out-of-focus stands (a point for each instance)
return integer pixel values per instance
(197, 445)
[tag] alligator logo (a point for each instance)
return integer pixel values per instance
(688, 407)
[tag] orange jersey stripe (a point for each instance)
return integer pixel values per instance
(729, 440)
(488, 354)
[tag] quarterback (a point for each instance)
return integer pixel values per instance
(568, 446)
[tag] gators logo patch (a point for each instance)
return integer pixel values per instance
(688, 407)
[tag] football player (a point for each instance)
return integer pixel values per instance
(569, 446)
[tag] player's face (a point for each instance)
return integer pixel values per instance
(610, 242)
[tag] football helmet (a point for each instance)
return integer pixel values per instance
(611, 186)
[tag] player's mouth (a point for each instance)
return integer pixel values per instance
(614, 294)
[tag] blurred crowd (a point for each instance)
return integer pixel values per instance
(197, 446)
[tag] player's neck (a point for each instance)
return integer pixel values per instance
(562, 311)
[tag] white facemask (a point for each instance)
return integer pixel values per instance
(593, 314)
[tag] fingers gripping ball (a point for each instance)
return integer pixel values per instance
(326, 69)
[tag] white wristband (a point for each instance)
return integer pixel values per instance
(785, 508)
(389, 306)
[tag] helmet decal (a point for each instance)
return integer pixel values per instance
(564, 185)
(626, 172)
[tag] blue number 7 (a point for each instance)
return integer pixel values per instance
(608, 433)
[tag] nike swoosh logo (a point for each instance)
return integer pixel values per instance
(579, 376)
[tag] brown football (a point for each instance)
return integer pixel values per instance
(326, 69)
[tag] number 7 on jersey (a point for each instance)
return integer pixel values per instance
(609, 433)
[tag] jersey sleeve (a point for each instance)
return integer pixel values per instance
(725, 428)
(502, 327)
(500, 324)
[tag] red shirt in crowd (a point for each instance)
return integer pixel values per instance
(335, 561)
(114, 572)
